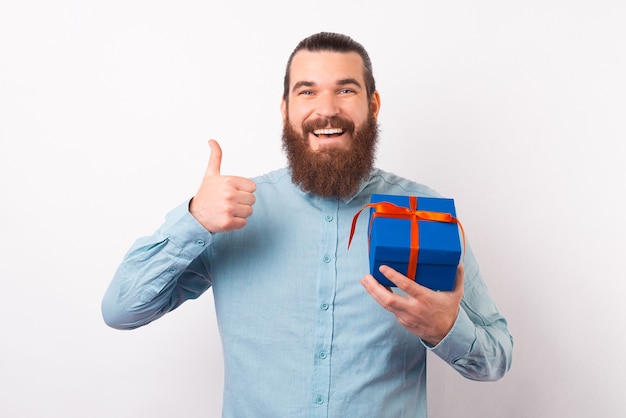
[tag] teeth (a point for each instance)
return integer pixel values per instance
(328, 131)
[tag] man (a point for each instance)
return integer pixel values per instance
(302, 337)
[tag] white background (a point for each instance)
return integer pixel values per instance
(515, 109)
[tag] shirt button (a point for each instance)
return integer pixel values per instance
(323, 355)
(200, 242)
(327, 259)
(324, 306)
(328, 218)
(319, 400)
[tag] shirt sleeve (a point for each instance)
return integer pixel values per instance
(159, 272)
(479, 345)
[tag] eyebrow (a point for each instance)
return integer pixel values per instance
(342, 82)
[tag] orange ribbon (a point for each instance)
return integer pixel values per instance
(391, 210)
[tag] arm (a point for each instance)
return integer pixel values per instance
(162, 271)
(159, 273)
(463, 327)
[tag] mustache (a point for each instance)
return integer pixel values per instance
(331, 172)
(333, 121)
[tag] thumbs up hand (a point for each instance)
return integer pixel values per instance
(222, 203)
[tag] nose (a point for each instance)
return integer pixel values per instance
(327, 106)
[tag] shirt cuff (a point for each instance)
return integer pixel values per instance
(458, 342)
(185, 232)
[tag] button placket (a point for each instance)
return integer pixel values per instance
(326, 288)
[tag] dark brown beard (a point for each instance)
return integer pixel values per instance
(331, 172)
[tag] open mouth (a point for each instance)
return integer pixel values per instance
(328, 133)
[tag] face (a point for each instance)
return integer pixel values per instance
(327, 98)
(330, 127)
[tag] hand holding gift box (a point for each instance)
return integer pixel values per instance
(418, 237)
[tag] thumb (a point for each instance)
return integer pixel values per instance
(215, 160)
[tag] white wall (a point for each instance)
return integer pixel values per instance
(515, 109)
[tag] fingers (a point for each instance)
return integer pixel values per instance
(240, 205)
(222, 203)
(415, 289)
(402, 282)
(215, 160)
(244, 185)
(381, 294)
(424, 312)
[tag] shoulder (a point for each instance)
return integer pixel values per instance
(276, 183)
(388, 183)
(278, 176)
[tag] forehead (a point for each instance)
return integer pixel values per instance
(326, 67)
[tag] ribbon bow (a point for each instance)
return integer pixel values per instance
(391, 210)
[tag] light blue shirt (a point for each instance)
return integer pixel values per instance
(301, 337)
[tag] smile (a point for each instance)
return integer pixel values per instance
(330, 133)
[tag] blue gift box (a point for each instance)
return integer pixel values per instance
(439, 243)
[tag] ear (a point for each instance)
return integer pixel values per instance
(283, 109)
(375, 104)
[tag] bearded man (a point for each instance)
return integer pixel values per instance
(302, 336)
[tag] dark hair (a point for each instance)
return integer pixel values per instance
(336, 42)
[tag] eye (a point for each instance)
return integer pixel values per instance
(306, 93)
(347, 91)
